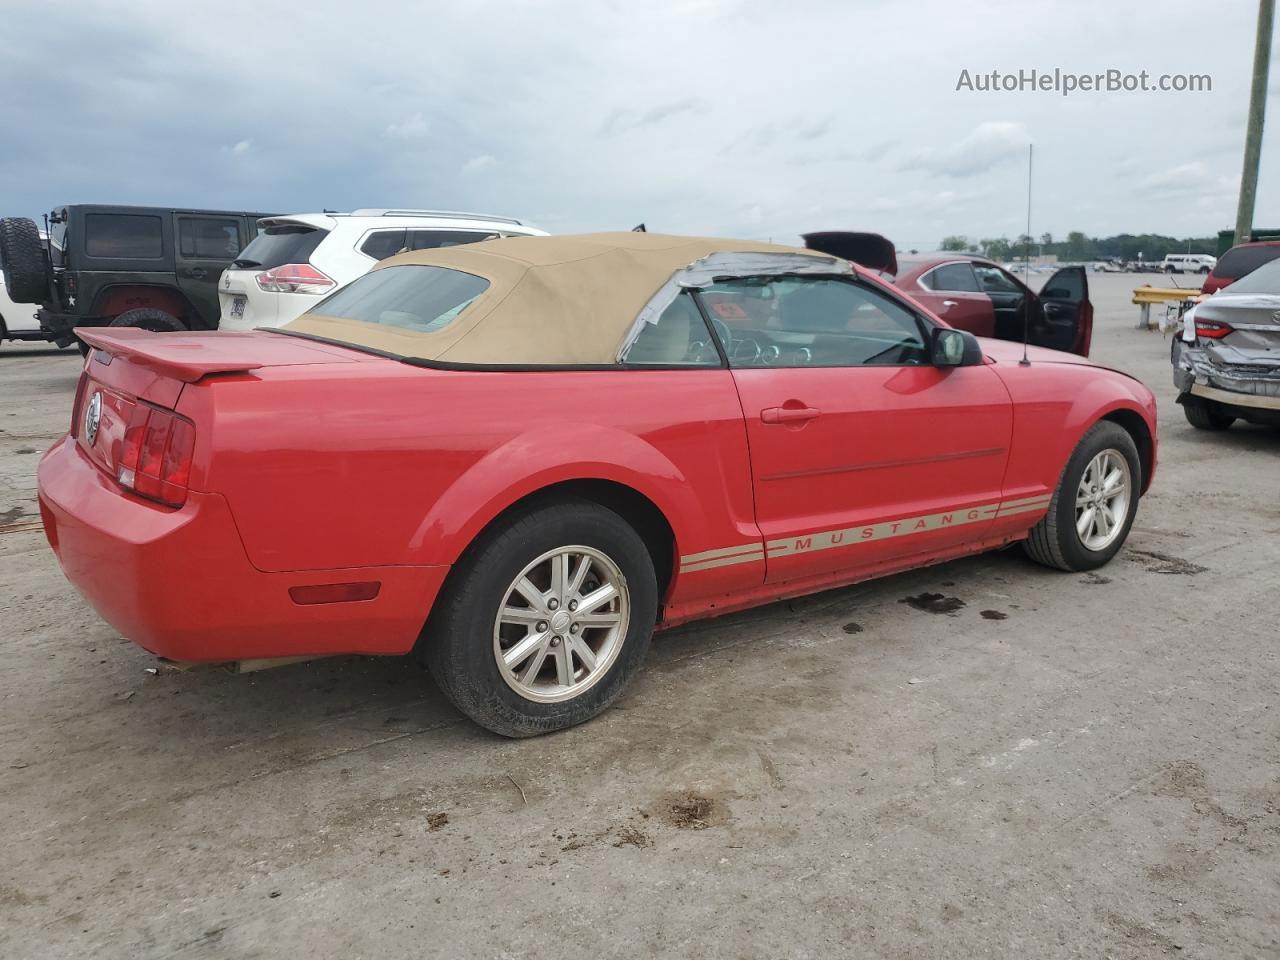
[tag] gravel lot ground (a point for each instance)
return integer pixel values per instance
(1093, 770)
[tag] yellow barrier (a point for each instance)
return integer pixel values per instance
(1145, 296)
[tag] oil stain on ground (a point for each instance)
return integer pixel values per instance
(993, 615)
(1155, 562)
(933, 603)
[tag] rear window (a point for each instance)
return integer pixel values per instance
(413, 297)
(123, 236)
(1265, 279)
(280, 244)
(1238, 261)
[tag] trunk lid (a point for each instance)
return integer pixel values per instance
(1255, 327)
(129, 367)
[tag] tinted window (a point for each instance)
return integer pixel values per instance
(1065, 285)
(678, 338)
(418, 298)
(812, 321)
(208, 238)
(1238, 261)
(123, 236)
(383, 243)
(951, 276)
(281, 244)
(995, 279)
(1265, 279)
(430, 239)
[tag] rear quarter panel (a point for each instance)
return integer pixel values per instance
(383, 463)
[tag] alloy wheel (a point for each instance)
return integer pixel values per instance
(561, 624)
(1102, 499)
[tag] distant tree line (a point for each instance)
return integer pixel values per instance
(1077, 246)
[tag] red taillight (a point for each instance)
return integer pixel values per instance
(1213, 329)
(155, 457)
(295, 278)
(78, 404)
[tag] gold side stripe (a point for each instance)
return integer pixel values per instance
(864, 533)
(754, 557)
(722, 552)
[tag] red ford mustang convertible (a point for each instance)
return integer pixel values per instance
(516, 458)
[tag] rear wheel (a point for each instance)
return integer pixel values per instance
(1094, 504)
(1205, 414)
(22, 260)
(545, 620)
(148, 318)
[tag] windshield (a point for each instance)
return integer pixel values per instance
(278, 245)
(1265, 279)
(414, 297)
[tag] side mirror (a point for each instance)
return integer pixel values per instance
(954, 348)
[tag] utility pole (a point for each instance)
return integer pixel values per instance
(1257, 111)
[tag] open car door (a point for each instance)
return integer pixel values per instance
(870, 250)
(1065, 320)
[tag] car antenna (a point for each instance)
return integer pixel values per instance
(1026, 266)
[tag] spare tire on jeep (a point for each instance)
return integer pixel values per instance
(22, 258)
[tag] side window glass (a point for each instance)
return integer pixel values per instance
(430, 239)
(952, 276)
(995, 280)
(207, 238)
(383, 243)
(813, 321)
(123, 236)
(679, 337)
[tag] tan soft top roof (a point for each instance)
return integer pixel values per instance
(551, 300)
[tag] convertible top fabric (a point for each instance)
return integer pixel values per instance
(551, 300)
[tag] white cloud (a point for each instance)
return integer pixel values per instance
(987, 146)
(476, 164)
(411, 128)
(240, 148)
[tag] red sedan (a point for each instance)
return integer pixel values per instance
(516, 458)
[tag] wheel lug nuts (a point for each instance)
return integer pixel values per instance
(555, 641)
(553, 603)
(573, 604)
(542, 626)
(574, 628)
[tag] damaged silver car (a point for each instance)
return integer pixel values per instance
(1226, 363)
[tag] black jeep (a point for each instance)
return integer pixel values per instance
(151, 267)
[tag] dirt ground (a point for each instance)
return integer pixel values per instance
(1029, 764)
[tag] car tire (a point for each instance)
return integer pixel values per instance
(1205, 414)
(149, 318)
(22, 260)
(467, 633)
(1057, 541)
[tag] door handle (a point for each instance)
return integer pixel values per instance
(197, 273)
(948, 303)
(788, 414)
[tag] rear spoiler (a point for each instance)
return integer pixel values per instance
(870, 250)
(180, 356)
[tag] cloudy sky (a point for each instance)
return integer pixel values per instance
(731, 117)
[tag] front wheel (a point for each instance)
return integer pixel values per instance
(545, 620)
(1094, 504)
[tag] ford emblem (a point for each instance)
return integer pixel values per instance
(92, 417)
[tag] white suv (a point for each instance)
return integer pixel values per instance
(1188, 263)
(297, 259)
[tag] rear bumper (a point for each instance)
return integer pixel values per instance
(1245, 384)
(179, 584)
